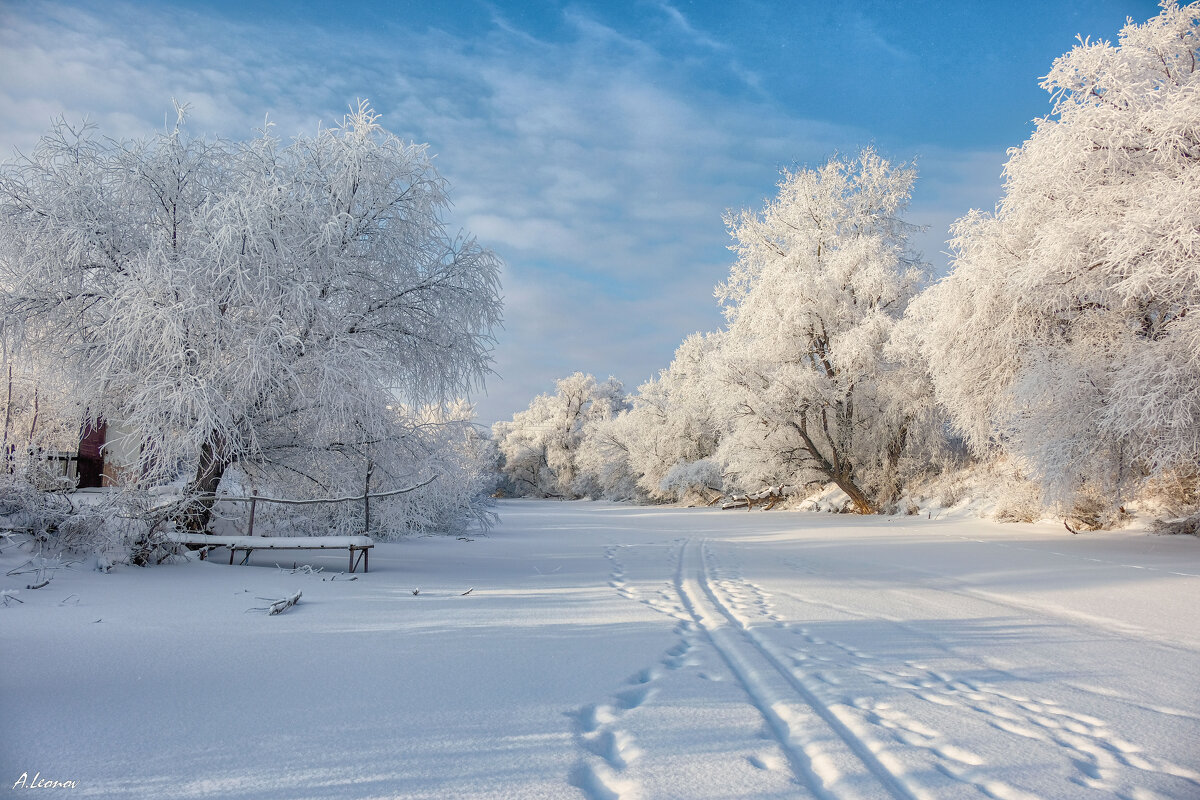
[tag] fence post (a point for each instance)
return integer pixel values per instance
(367, 498)
(253, 503)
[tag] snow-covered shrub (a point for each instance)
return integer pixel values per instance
(434, 452)
(59, 524)
(1176, 490)
(89, 531)
(1173, 497)
(702, 477)
(1092, 511)
(28, 508)
(1180, 525)
(946, 488)
(1017, 499)
(1068, 332)
(446, 445)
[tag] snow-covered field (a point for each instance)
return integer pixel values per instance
(613, 651)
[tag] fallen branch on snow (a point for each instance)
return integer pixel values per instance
(770, 496)
(307, 569)
(277, 606)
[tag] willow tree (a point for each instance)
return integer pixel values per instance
(226, 298)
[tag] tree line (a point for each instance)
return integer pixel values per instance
(1064, 343)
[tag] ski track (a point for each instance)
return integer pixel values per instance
(1100, 757)
(818, 699)
(833, 761)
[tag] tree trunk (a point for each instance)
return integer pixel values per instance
(861, 504)
(837, 470)
(33, 424)
(196, 513)
(891, 466)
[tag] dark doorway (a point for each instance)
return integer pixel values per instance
(91, 456)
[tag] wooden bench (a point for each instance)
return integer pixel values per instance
(359, 546)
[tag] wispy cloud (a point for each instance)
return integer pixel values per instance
(696, 37)
(676, 16)
(866, 32)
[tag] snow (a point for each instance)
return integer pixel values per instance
(274, 542)
(616, 651)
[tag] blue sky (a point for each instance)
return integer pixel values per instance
(593, 145)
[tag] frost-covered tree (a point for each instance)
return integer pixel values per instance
(602, 459)
(823, 273)
(41, 420)
(540, 446)
(1068, 332)
(674, 423)
(238, 300)
(434, 447)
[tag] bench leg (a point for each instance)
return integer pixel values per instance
(364, 555)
